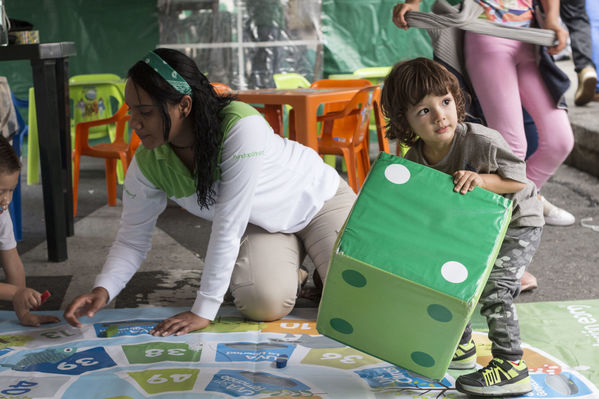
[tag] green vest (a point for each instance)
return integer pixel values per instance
(163, 168)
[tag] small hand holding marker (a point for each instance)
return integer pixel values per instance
(46, 294)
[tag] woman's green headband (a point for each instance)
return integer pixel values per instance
(167, 72)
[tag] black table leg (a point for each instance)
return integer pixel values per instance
(49, 80)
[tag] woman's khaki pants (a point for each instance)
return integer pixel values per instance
(264, 283)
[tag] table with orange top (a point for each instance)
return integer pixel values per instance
(305, 102)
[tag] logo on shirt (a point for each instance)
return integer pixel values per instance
(248, 154)
(132, 196)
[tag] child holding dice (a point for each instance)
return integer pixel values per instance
(425, 108)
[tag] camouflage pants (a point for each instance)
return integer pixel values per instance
(515, 254)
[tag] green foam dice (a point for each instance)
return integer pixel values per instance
(410, 264)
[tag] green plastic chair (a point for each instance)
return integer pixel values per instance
(91, 97)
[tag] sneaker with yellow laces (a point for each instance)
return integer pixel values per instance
(464, 357)
(499, 378)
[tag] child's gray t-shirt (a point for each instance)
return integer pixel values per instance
(483, 150)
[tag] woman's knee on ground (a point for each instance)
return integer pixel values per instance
(265, 303)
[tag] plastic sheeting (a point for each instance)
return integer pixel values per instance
(362, 34)
(243, 43)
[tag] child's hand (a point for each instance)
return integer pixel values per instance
(30, 319)
(26, 299)
(466, 180)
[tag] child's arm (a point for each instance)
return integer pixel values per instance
(13, 267)
(14, 290)
(466, 180)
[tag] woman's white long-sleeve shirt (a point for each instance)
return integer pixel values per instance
(265, 180)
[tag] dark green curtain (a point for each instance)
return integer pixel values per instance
(110, 35)
(361, 34)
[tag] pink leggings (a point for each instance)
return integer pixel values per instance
(506, 77)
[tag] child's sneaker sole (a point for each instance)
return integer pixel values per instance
(499, 378)
(512, 389)
(463, 364)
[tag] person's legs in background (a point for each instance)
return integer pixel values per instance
(505, 77)
(494, 76)
(593, 14)
(502, 99)
(555, 137)
(573, 13)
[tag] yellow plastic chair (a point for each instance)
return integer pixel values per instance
(376, 75)
(92, 97)
(290, 80)
(341, 76)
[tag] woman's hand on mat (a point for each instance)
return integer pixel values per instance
(180, 324)
(401, 9)
(86, 305)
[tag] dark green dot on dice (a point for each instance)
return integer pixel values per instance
(354, 278)
(342, 326)
(423, 359)
(439, 313)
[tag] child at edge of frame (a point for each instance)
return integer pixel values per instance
(426, 111)
(23, 299)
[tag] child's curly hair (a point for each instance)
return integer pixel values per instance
(407, 84)
(9, 161)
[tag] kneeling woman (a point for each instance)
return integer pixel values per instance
(270, 200)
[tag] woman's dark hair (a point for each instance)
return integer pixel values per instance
(205, 113)
(407, 84)
(9, 161)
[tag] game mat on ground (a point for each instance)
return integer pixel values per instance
(112, 356)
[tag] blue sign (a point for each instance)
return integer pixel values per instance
(252, 351)
(124, 328)
(247, 383)
(76, 364)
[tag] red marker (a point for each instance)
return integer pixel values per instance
(45, 297)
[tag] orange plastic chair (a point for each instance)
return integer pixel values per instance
(221, 88)
(324, 83)
(117, 149)
(134, 142)
(378, 114)
(345, 132)
(381, 130)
